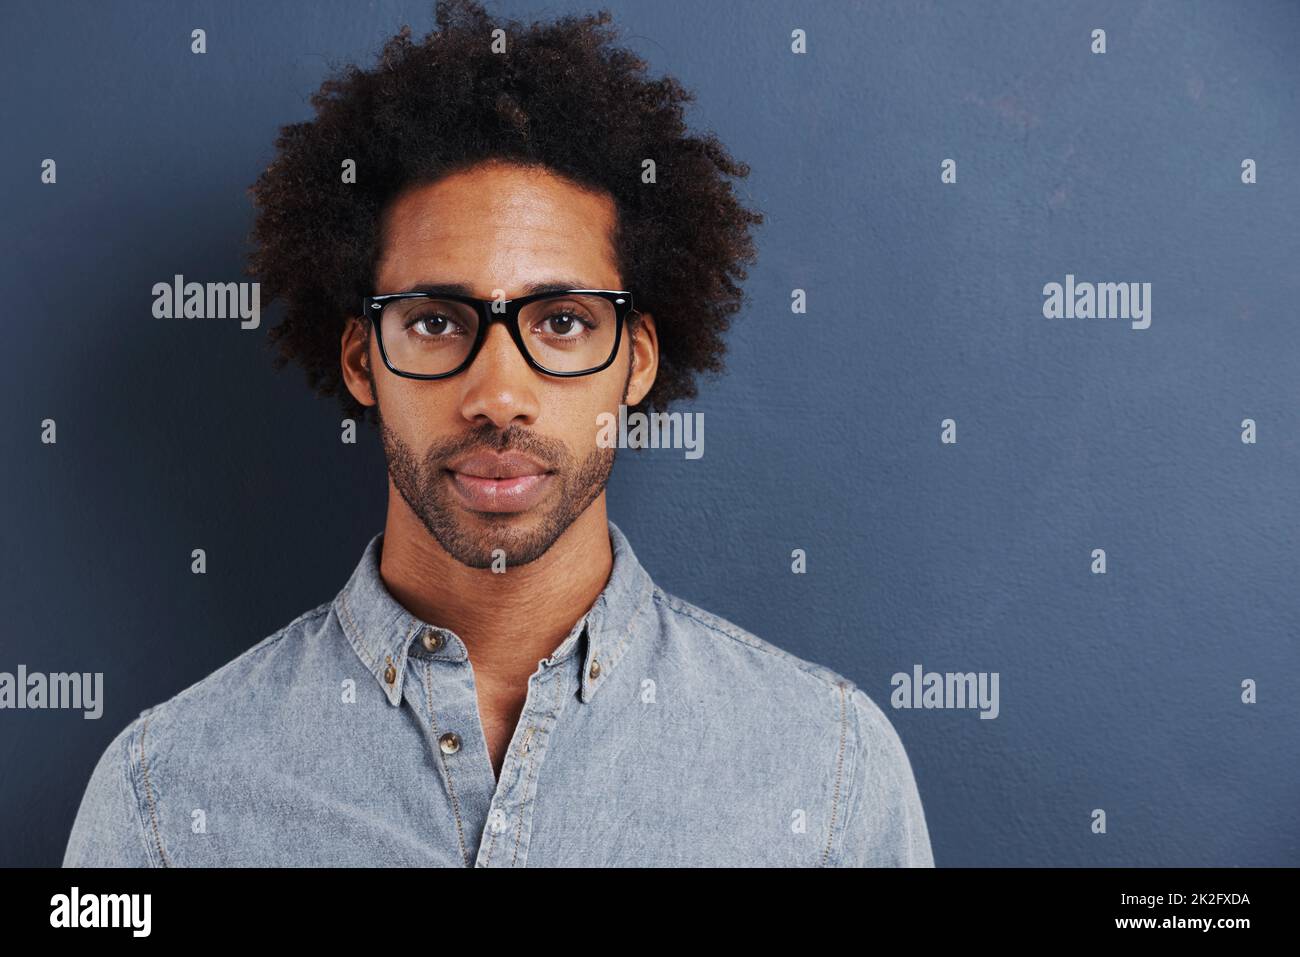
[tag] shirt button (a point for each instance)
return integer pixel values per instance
(449, 742)
(390, 674)
(594, 671)
(432, 640)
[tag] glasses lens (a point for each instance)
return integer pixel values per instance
(569, 332)
(428, 336)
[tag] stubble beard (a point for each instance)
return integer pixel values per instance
(472, 537)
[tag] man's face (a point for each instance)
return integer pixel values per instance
(497, 227)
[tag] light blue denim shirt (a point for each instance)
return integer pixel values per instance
(656, 734)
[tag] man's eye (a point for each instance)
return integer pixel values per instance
(563, 325)
(433, 326)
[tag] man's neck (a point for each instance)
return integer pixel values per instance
(511, 621)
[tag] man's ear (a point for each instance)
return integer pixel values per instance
(355, 360)
(645, 359)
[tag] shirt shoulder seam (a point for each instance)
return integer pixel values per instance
(123, 760)
(853, 716)
(151, 806)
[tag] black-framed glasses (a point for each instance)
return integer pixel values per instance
(572, 332)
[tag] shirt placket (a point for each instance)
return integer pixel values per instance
(508, 830)
(493, 817)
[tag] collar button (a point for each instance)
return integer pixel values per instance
(594, 670)
(432, 641)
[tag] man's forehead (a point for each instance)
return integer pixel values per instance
(468, 227)
(477, 266)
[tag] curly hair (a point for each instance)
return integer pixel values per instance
(561, 97)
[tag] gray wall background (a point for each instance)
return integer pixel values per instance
(1119, 691)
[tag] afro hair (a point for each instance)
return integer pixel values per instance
(560, 96)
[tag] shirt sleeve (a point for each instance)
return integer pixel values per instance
(109, 829)
(884, 824)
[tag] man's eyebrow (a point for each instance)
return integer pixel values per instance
(530, 289)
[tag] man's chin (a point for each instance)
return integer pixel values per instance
(471, 518)
(481, 539)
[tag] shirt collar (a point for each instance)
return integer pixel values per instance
(384, 634)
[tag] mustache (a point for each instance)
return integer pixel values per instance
(488, 438)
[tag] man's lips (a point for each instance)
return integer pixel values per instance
(515, 494)
(497, 465)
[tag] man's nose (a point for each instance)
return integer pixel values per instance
(499, 385)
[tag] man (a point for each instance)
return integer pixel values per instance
(500, 683)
